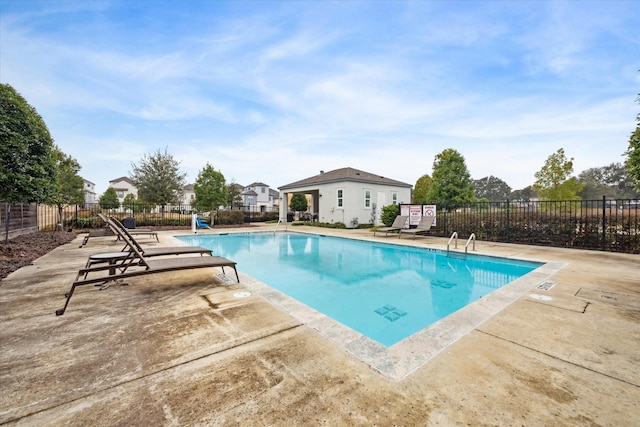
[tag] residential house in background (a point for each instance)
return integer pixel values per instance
(259, 197)
(123, 187)
(89, 189)
(188, 195)
(347, 195)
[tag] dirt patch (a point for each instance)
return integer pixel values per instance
(26, 248)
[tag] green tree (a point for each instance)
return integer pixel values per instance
(421, 190)
(491, 188)
(389, 214)
(210, 189)
(554, 180)
(158, 178)
(633, 154)
(298, 202)
(109, 200)
(27, 168)
(525, 194)
(612, 181)
(234, 194)
(129, 202)
(451, 179)
(69, 186)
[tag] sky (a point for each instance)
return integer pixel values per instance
(276, 91)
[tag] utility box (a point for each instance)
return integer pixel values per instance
(129, 222)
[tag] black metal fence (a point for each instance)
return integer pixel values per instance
(85, 216)
(608, 225)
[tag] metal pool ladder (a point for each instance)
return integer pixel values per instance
(472, 238)
(276, 229)
(453, 236)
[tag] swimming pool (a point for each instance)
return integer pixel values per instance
(384, 291)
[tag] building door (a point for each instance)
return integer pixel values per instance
(382, 201)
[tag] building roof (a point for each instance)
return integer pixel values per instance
(188, 187)
(249, 193)
(257, 184)
(345, 174)
(122, 178)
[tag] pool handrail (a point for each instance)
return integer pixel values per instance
(471, 238)
(454, 235)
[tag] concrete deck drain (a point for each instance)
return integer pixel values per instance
(242, 294)
(546, 285)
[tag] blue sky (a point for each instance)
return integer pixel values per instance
(277, 91)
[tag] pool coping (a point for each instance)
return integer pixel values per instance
(408, 355)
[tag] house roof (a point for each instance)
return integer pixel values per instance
(122, 178)
(188, 187)
(249, 193)
(344, 174)
(257, 184)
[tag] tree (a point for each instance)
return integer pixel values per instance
(525, 194)
(158, 178)
(27, 169)
(298, 202)
(69, 186)
(491, 188)
(451, 179)
(109, 200)
(234, 194)
(553, 180)
(612, 181)
(633, 154)
(421, 190)
(129, 202)
(389, 213)
(210, 189)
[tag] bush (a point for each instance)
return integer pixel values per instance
(230, 218)
(389, 213)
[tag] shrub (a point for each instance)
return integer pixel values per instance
(389, 213)
(230, 217)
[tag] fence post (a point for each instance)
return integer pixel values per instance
(604, 223)
(508, 228)
(446, 233)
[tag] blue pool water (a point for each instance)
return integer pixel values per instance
(384, 291)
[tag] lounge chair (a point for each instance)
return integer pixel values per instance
(97, 233)
(398, 223)
(201, 223)
(425, 224)
(139, 265)
(108, 232)
(133, 231)
(127, 252)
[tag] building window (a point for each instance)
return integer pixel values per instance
(367, 199)
(394, 197)
(120, 194)
(339, 202)
(263, 189)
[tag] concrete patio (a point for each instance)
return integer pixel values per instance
(180, 349)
